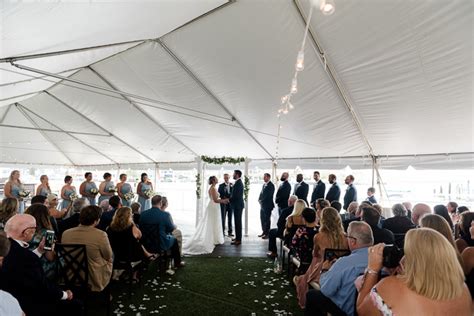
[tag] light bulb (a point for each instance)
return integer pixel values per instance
(280, 110)
(327, 7)
(300, 61)
(290, 106)
(284, 99)
(285, 111)
(294, 86)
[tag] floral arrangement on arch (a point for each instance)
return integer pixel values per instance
(222, 160)
(246, 188)
(198, 186)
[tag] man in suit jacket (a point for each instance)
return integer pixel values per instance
(237, 203)
(283, 193)
(319, 189)
(266, 205)
(301, 188)
(334, 192)
(23, 276)
(351, 192)
(278, 232)
(162, 220)
(225, 189)
(370, 195)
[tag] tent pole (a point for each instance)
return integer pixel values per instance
(69, 134)
(142, 111)
(155, 184)
(44, 134)
(5, 114)
(198, 200)
(98, 126)
(208, 92)
(374, 163)
(246, 174)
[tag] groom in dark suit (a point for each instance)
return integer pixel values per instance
(225, 189)
(237, 203)
(266, 205)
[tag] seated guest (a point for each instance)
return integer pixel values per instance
(452, 208)
(136, 209)
(399, 223)
(370, 195)
(356, 217)
(351, 210)
(321, 204)
(39, 199)
(72, 218)
(124, 238)
(408, 207)
(336, 205)
(8, 304)
(442, 211)
(156, 218)
(43, 224)
(459, 211)
(331, 235)
(440, 224)
(302, 242)
(53, 207)
(294, 221)
(99, 252)
(381, 235)
(337, 293)
(419, 210)
(24, 278)
(468, 263)
(106, 218)
(104, 206)
(278, 232)
(176, 232)
(8, 208)
(465, 239)
(431, 282)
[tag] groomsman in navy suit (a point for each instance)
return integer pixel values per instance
(237, 203)
(301, 188)
(319, 189)
(334, 192)
(351, 192)
(266, 205)
(225, 190)
(283, 193)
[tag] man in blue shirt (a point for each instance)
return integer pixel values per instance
(337, 294)
(153, 220)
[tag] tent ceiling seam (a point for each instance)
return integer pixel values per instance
(142, 111)
(98, 126)
(330, 71)
(69, 134)
(205, 89)
(18, 106)
(6, 113)
(52, 130)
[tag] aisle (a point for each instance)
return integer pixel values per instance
(212, 286)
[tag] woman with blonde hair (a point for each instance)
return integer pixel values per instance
(14, 188)
(8, 208)
(331, 236)
(431, 281)
(295, 220)
(44, 188)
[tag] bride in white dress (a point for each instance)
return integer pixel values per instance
(209, 230)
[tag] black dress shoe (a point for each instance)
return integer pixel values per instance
(235, 243)
(265, 237)
(230, 235)
(261, 235)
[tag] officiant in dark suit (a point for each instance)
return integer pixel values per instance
(334, 192)
(237, 204)
(266, 205)
(319, 189)
(301, 188)
(283, 193)
(225, 190)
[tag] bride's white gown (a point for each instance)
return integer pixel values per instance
(208, 232)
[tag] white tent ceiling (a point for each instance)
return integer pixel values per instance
(205, 78)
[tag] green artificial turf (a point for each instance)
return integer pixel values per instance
(210, 286)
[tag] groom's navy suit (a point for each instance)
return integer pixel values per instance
(224, 193)
(237, 204)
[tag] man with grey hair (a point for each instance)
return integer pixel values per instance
(399, 223)
(419, 210)
(278, 232)
(72, 218)
(337, 293)
(409, 207)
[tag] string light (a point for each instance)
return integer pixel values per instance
(294, 85)
(300, 61)
(327, 7)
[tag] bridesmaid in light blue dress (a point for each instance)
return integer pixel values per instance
(144, 185)
(66, 192)
(43, 189)
(86, 188)
(105, 188)
(12, 189)
(123, 188)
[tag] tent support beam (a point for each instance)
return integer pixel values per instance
(98, 126)
(18, 106)
(5, 114)
(205, 89)
(52, 130)
(142, 111)
(23, 108)
(331, 72)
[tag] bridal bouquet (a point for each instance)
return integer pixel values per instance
(23, 193)
(113, 190)
(94, 191)
(128, 196)
(73, 196)
(149, 193)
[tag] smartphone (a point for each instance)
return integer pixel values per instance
(331, 254)
(49, 240)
